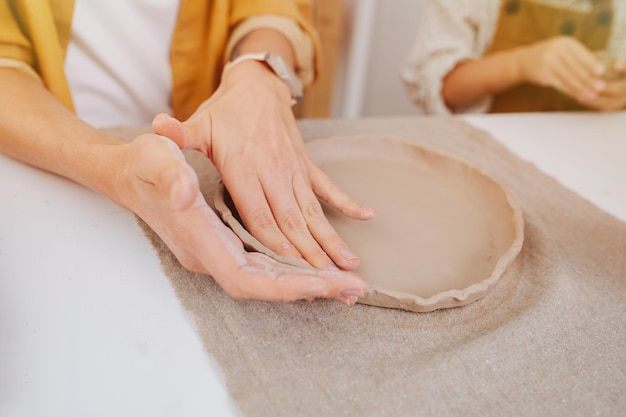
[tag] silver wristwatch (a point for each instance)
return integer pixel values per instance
(277, 64)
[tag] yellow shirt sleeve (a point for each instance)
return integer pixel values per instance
(34, 36)
(301, 44)
(199, 47)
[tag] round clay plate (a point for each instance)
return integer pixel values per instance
(444, 231)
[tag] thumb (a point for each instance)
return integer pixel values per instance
(179, 133)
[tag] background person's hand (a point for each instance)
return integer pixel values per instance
(612, 97)
(248, 130)
(158, 185)
(565, 64)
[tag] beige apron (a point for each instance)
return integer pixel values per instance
(524, 22)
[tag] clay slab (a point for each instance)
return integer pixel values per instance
(444, 231)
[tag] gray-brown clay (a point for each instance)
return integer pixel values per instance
(444, 231)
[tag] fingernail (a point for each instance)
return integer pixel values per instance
(349, 301)
(348, 255)
(353, 293)
(352, 301)
(368, 213)
(600, 70)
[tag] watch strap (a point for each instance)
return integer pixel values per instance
(286, 75)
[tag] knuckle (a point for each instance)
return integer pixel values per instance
(262, 219)
(333, 189)
(293, 221)
(232, 289)
(313, 211)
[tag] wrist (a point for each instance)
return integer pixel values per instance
(277, 66)
(255, 78)
(518, 70)
(82, 154)
(101, 168)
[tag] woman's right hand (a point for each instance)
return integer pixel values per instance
(154, 180)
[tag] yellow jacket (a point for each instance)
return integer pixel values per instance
(36, 33)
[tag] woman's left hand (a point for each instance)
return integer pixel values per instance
(248, 130)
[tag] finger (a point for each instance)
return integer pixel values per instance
(349, 301)
(288, 211)
(330, 192)
(568, 84)
(206, 245)
(564, 79)
(604, 103)
(265, 279)
(165, 125)
(320, 229)
(193, 134)
(591, 68)
(615, 89)
(252, 283)
(581, 57)
(582, 70)
(255, 213)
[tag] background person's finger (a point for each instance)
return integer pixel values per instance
(615, 89)
(604, 103)
(581, 70)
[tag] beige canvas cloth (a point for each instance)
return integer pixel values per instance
(548, 340)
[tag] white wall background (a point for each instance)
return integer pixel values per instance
(378, 37)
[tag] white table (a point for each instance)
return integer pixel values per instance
(89, 325)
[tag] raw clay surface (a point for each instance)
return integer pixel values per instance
(444, 231)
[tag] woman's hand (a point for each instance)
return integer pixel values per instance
(158, 185)
(565, 64)
(613, 96)
(248, 130)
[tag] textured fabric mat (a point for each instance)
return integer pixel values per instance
(550, 339)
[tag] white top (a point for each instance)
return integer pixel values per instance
(118, 59)
(453, 31)
(106, 62)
